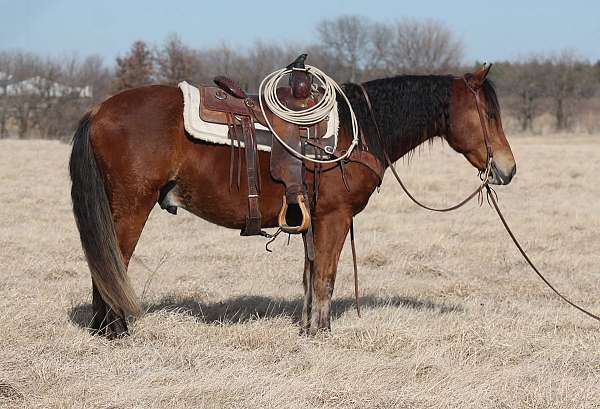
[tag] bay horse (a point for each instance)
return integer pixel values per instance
(134, 143)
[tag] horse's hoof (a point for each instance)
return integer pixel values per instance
(111, 327)
(304, 331)
(314, 331)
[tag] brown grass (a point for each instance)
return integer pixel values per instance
(453, 318)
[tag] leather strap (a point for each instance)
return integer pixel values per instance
(253, 218)
(232, 152)
(492, 199)
(362, 156)
(355, 267)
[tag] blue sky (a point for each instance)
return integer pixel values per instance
(490, 30)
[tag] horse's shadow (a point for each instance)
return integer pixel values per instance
(246, 308)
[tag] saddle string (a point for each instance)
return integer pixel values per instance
(234, 140)
(267, 95)
(491, 196)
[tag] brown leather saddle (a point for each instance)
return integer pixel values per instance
(228, 104)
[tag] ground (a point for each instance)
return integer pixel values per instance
(452, 315)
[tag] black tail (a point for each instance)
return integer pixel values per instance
(96, 228)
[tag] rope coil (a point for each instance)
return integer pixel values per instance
(267, 95)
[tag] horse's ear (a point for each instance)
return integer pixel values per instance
(477, 78)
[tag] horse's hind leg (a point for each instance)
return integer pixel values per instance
(129, 220)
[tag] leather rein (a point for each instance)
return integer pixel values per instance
(491, 194)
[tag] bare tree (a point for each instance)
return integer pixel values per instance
(93, 73)
(423, 47)
(136, 68)
(7, 70)
(50, 93)
(567, 79)
(365, 50)
(46, 97)
(25, 91)
(347, 40)
(224, 60)
(177, 62)
(72, 93)
(523, 86)
(380, 36)
(262, 59)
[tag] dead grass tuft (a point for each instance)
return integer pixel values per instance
(376, 260)
(9, 392)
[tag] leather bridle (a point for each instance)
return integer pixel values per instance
(491, 195)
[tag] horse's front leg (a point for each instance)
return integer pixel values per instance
(330, 234)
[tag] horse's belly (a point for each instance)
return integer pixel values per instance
(223, 206)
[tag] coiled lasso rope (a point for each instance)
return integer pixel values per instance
(305, 117)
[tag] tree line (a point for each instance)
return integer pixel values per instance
(45, 97)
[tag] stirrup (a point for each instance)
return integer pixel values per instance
(305, 217)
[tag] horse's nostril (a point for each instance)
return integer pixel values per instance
(514, 171)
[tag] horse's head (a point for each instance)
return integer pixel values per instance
(466, 135)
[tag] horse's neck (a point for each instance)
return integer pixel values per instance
(399, 146)
(410, 118)
(405, 143)
(402, 146)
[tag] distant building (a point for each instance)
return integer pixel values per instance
(40, 86)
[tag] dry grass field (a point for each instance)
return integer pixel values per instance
(453, 317)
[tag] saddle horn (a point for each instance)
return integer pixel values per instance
(298, 63)
(300, 79)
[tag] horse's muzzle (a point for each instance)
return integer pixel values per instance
(501, 176)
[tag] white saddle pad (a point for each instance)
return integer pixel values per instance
(217, 133)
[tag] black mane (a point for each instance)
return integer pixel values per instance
(489, 93)
(408, 109)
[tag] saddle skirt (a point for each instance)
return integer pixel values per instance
(218, 133)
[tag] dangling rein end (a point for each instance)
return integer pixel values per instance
(492, 199)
